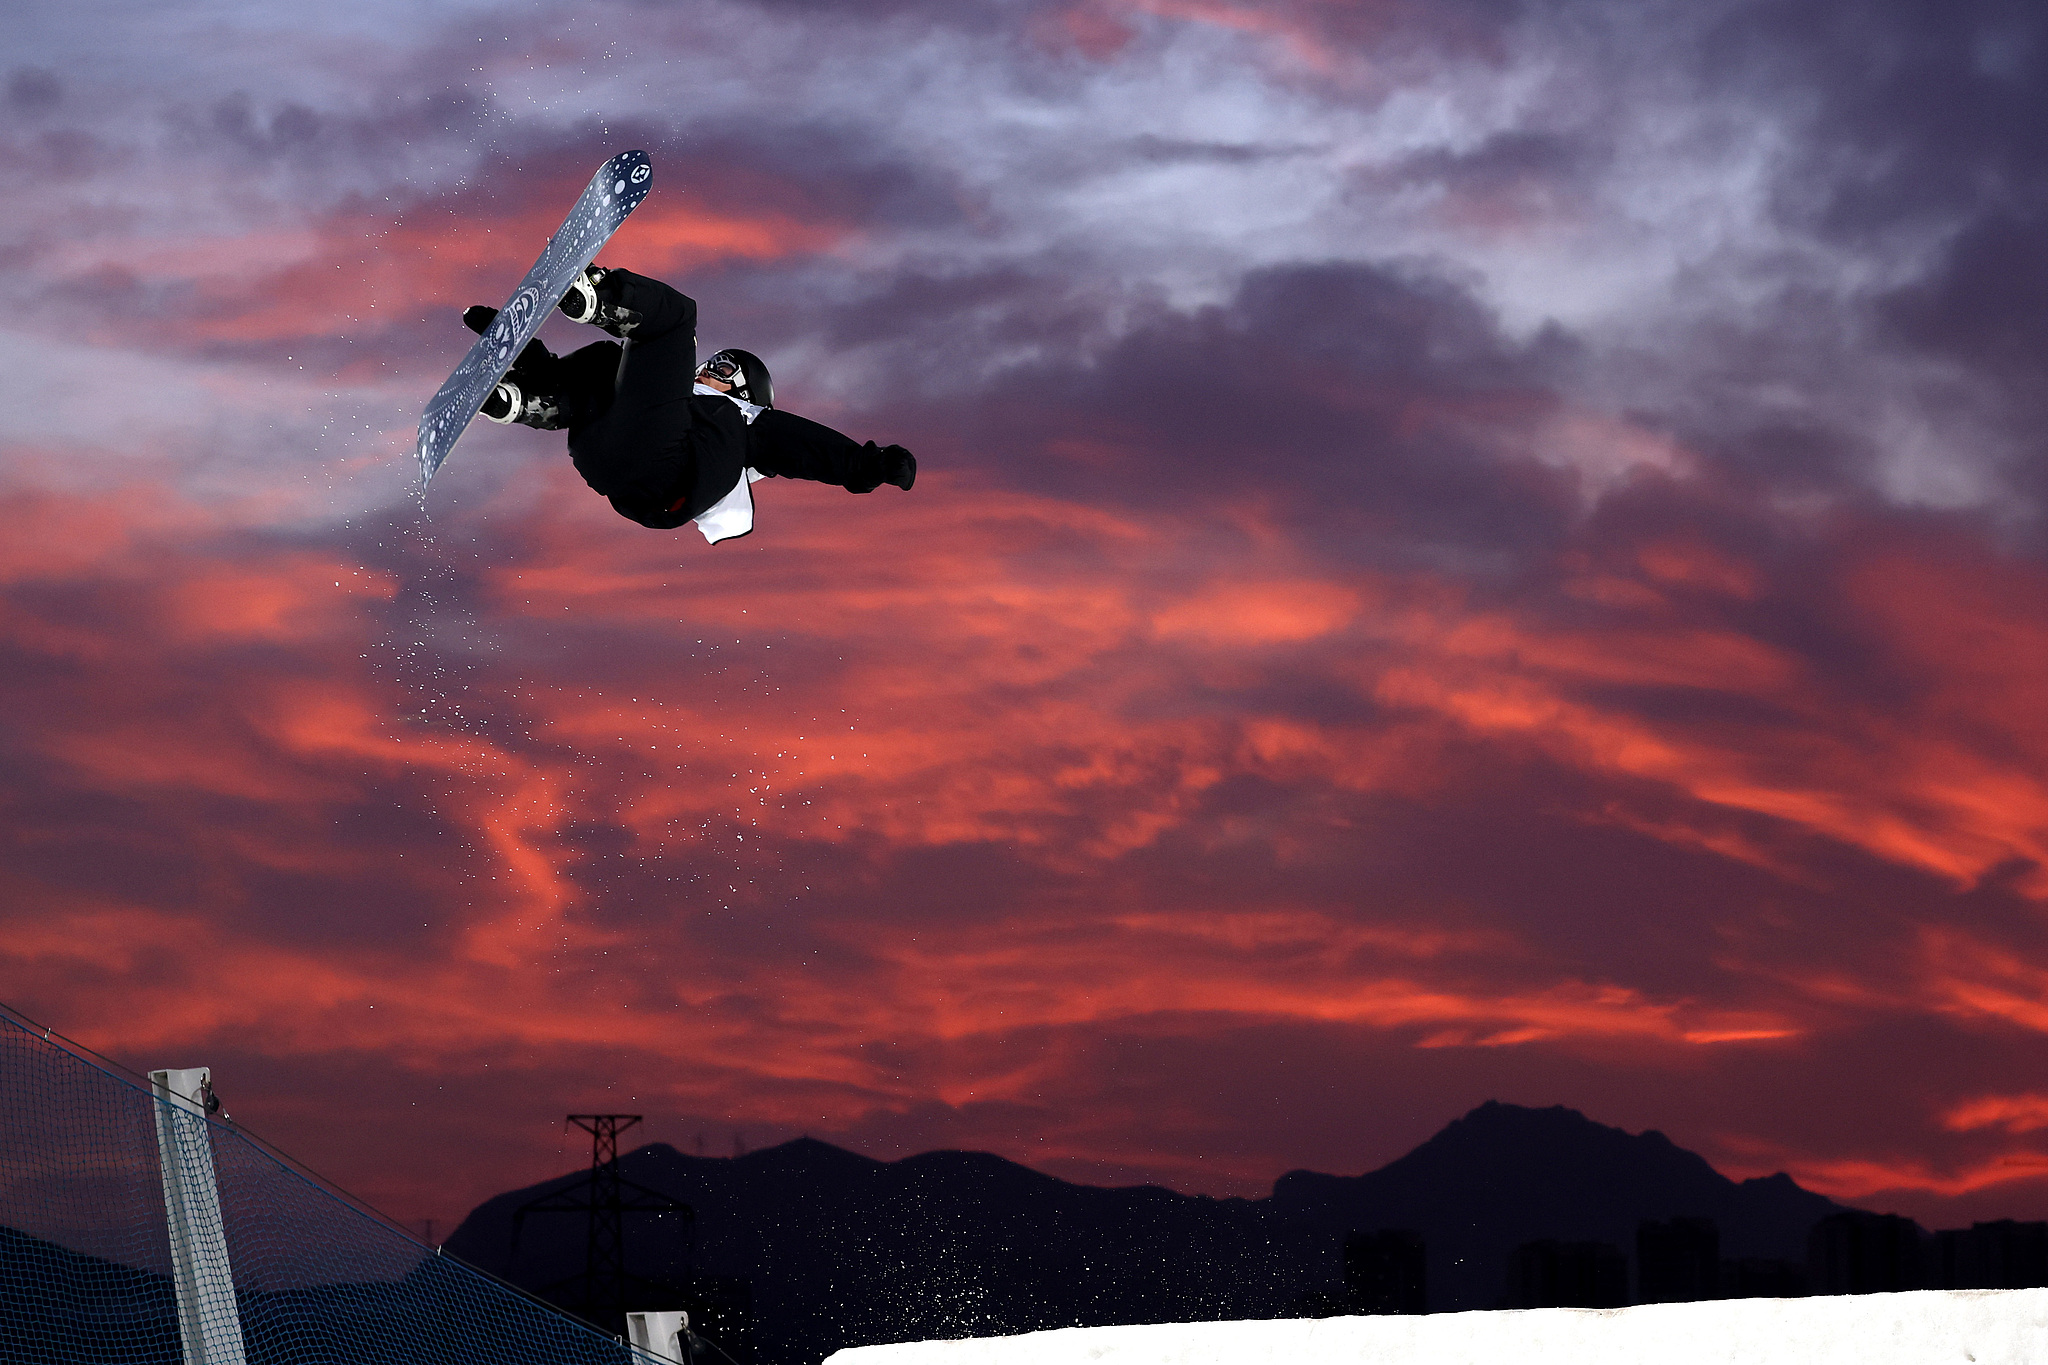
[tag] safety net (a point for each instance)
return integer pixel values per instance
(137, 1227)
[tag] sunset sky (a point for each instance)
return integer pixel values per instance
(1463, 550)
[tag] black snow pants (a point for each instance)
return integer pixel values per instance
(664, 455)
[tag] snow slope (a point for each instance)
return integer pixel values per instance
(1969, 1327)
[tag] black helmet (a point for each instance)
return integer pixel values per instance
(745, 372)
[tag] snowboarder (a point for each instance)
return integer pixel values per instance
(665, 439)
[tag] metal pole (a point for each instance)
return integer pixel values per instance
(209, 1320)
(661, 1335)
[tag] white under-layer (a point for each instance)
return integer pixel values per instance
(733, 514)
(1967, 1327)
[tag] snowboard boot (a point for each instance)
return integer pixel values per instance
(511, 402)
(593, 300)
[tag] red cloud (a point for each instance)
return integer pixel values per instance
(664, 741)
(358, 272)
(2024, 1113)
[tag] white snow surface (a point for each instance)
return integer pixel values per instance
(1969, 1327)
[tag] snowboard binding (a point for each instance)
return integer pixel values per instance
(590, 299)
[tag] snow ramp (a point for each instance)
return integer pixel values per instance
(1926, 1327)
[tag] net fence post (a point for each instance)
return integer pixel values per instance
(660, 1335)
(209, 1320)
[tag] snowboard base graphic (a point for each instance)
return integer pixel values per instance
(615, 191)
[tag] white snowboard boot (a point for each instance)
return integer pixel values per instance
(509, 403)
(588, 300)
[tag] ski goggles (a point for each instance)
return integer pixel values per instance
(724, 368)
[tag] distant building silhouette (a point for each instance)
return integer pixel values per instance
(2000, 1255)
(1864, 1253)
(1678, 1261)
(1755, 1277)
(1386, 1272)
(1550, 1274)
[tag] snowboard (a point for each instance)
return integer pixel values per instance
(615, 191)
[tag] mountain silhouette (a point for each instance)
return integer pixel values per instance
(1503, 1175)
(843, 1250)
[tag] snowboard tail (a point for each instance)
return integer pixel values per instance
(615, 191)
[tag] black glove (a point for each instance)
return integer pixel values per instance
(900, 466)
(534, 362)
